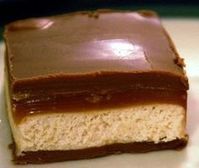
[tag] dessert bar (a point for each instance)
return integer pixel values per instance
(88, 84)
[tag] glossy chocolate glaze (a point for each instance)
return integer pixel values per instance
(77, 55)
(39, 157)
(75, 43)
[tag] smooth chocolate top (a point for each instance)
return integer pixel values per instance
(87, 43)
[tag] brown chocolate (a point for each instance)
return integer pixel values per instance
(76, 44)
(136, 147)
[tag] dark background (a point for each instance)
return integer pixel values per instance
(16, 9)
(11, 10)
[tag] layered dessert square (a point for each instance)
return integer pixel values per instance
(89, 84)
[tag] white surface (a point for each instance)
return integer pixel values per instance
(185, 34)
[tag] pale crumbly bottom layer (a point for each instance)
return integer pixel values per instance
(68, 131)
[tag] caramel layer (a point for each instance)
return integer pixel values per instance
(86, 102)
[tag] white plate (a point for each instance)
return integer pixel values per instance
(185, 33)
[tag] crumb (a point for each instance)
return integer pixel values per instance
(93, 14)
(179, 61)
(96, 15)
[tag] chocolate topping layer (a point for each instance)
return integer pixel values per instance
(74, 44)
